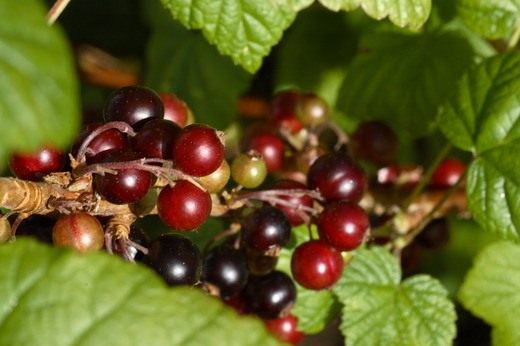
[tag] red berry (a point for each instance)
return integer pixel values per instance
(337, 177)
(266, 228)
(198, 150)
(106, 141)
(292, 212)
(316, 265)
(285, 329)
(270, 146)
(133, 105)
(448, 173)
(34, 166)
(80, 230)
(184, 206)
(175, 109)
(128, 185)
(343, 225)
(155, 139)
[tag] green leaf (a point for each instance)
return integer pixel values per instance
(407, 13)
(38, 102)
(491, 290)
(379, 309)
(314, 309)
(243, 29)
(183, 62)
(51, 296)
(482, 117)
(402, 79)
(491, 18)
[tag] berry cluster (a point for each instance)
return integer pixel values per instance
(295, 167)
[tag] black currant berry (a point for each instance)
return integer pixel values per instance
(198, 150)
(175, 259)
(155, 139)
(316, 265)
(128, 185)
(133, 105)
(337, 177)
(270, 295)
(266, 228)
(37, 164)
(226, 269)
(107, 141)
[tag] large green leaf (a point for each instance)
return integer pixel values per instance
(243, 29)
(491, 18)
(491, 290)
(183, 62)
(483, 117)
(51, 296)
(403, 78)
(409, 13)
(314, 309)
(379, 309)
(38, 91)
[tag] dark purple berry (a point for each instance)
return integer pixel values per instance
(175, 259)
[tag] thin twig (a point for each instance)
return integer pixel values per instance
(56, 10)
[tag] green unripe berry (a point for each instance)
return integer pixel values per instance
(249, 170)
(215, 182)
(313, 110)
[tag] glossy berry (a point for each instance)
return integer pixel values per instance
(312, 110)
(175, 109)
(343, 225)
(216, 181)
(374, 141)
(266, 228)
(155, 139)
(270, 295)
(129, 185)
(133, 105)
(285, 329)
(226, 269)
(175, 259)
(284, 109)
(269, 146)
(337, 177)
(198, 150)
(38, 227)
(296, 201)
(435, 235)
(249, 169)
(316, 265)
(183, 206)
(37, 164)
(107, 141)
(80, 231)
(447, 173)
